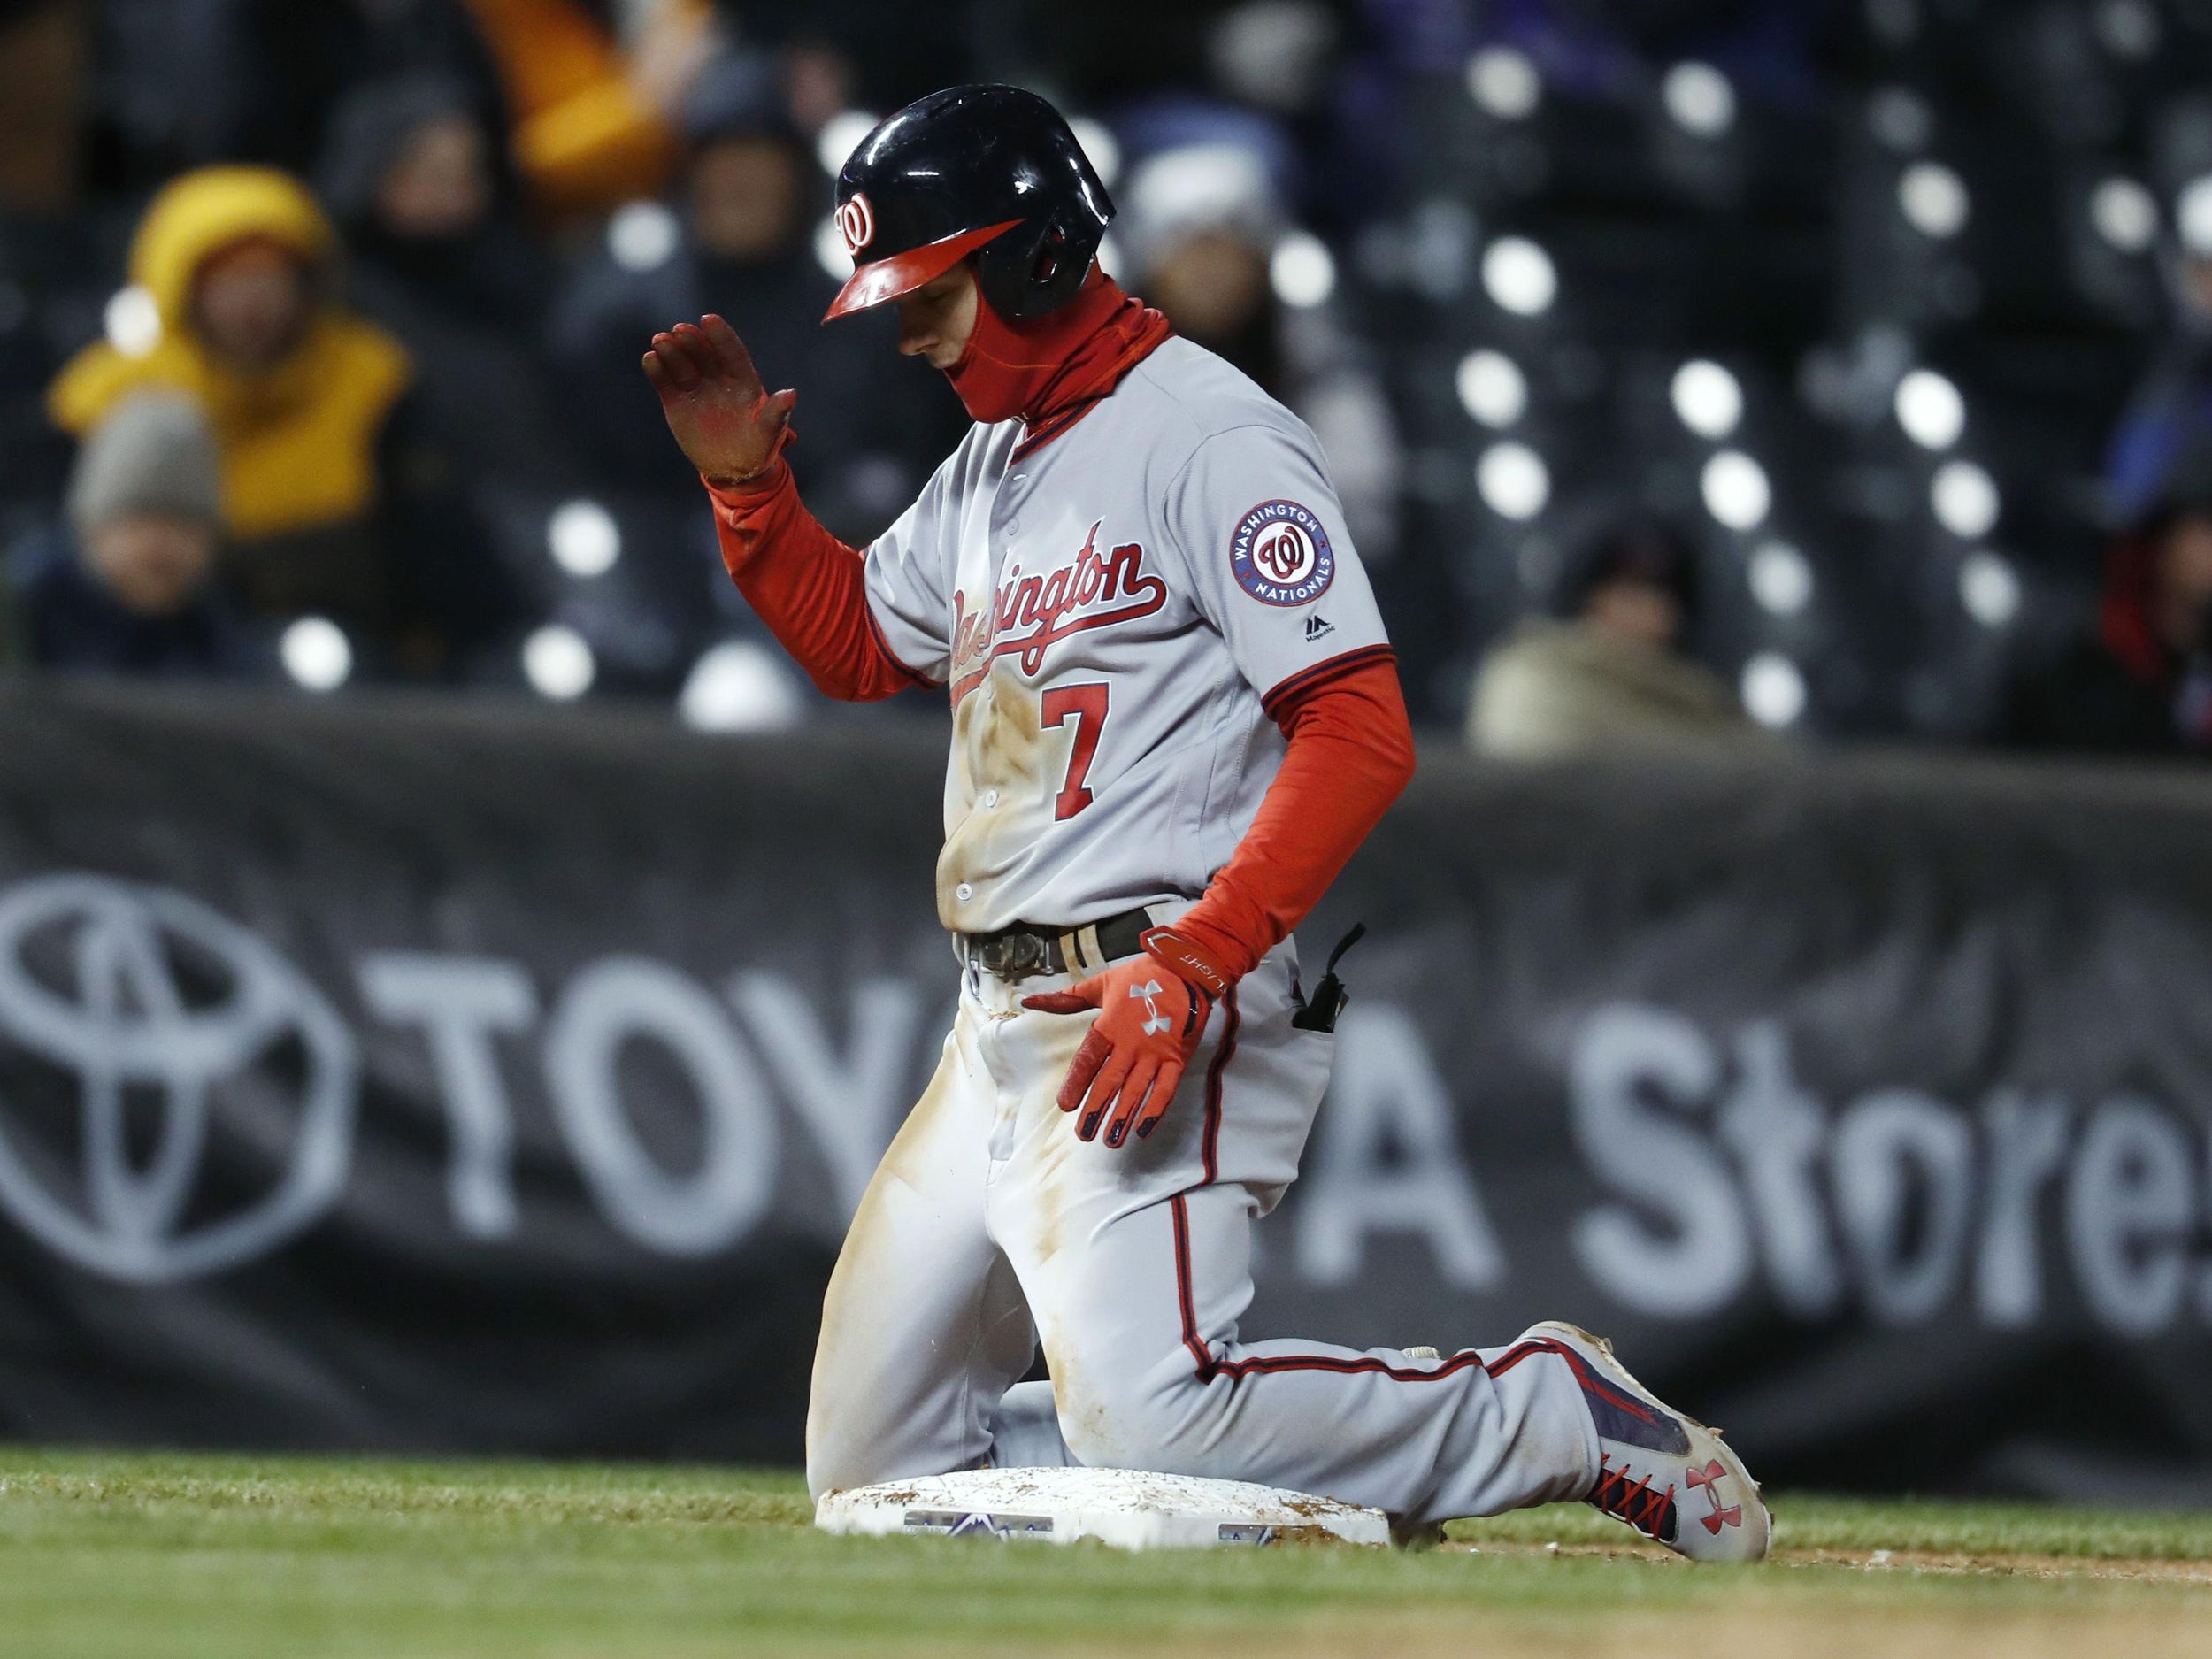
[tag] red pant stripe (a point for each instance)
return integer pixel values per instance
(1210, 1367)
(1345, 1367)
(1198, 1350)
(1213, 1085)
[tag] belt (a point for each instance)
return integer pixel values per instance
(1022, 952)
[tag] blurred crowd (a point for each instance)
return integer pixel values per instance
(1695, 374)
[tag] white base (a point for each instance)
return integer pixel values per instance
(1126, 1508)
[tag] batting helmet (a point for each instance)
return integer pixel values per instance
(986, 170)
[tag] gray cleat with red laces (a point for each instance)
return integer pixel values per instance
(1668, 1476)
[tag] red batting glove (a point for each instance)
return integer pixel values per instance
(1148, 1021)
(729, 425)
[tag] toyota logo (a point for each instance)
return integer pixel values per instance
(175, 1097)
(856, 222)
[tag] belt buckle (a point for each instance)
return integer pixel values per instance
(1012, 956)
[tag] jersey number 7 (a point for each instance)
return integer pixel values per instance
(1087, 705)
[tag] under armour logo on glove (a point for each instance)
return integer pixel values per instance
(1132, 1058)
(1156, 1022)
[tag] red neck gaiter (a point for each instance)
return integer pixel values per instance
(1049, 370)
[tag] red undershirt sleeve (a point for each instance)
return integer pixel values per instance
(1350, 755)
(808, 586)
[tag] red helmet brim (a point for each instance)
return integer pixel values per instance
(881, 279)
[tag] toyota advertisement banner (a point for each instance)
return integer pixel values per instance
(402, 1077)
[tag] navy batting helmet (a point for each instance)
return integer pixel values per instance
(992, 171)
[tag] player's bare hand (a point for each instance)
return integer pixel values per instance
(1131, 1059)
(729, 426)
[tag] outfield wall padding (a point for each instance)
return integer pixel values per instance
(403, 1075)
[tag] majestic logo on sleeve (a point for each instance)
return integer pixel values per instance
(856, 222)
(1033, 611)
(1280, 554)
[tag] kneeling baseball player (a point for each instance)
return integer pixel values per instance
(1175, 716)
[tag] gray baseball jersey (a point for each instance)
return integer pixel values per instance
(1115, 610)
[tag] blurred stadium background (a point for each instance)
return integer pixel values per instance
(396, 1054)
(1893, 308)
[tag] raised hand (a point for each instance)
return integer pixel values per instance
(728, 425)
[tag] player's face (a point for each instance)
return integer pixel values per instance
(937, 318)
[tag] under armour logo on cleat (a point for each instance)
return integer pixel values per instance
(1317, 624)
(1158, 1022)
(1709, 1477)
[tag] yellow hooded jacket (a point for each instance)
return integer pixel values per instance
(298, 442)
(585, 137)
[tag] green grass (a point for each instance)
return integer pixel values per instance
(140, 1556)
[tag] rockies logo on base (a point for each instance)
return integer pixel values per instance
(1281, 555)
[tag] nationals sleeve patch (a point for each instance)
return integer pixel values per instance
(1280, 554)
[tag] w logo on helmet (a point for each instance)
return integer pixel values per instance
(856, 222)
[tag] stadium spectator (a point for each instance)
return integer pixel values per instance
(128, 587)
(417, 185)
(191, 82)
(188, 83)
(880, 54)
(43, 71)
(336, 498)
(49, 300)
(741, 243)
(1608, 672)
(2169, 412)
(2171, 408)
(1202, 221)
(590, 129)
(1608, 49)
(2142, 683)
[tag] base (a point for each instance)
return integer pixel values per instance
(1126, 1508)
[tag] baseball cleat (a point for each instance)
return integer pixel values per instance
(1668, 1476)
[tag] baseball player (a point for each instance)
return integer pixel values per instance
(1175, 715)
